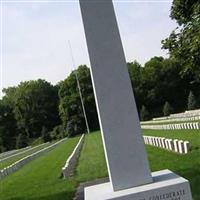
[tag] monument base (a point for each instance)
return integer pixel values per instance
(166, 186)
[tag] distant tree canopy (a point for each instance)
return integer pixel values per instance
(183, 43)
(25, 110)
(70, 107)
(167, 109)
(22, 140)
(144, 114)
(160, 81)
(192, 102)
(35, 107)
(8, 127)
(37, 110)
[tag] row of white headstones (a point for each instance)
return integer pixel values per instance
(13, 152)
(20, 163)
(186, 114)
(189, 115)
(68, 168)
(178, 146)
(168, 120)
(194, 125)
(22, 151)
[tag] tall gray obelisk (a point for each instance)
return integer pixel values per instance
(123, 143)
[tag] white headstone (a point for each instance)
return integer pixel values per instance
(159, 142)
(180, 146)
(176, 145)
(166, 144)
(163, 142)
(170, 144)
(197, 125)
(186, 146)
(185, 126)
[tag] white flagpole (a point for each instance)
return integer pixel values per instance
(79, 89)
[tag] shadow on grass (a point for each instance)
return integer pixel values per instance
(193, 176)
(56, 196)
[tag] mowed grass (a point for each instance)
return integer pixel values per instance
(92, 165)
(12, 152)
(40, 179)
(16, 157)
(187, 165)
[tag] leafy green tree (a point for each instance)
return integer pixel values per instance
(8, 129)
(161, 80)
(1, 145)
(9, 96)
(70, 107)
(192, 103)
(144, 114)
(135, 70)
(182, 11)
(167, 109)
(36, 105)
(151, 84)
(58, 133)
(71, 128)
(183, 43)
(22, 140)
(45, 135)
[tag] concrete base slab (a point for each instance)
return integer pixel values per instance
(166, 186)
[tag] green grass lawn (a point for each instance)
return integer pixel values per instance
(92, 162)
(15, 158)
(43, 182)
(187, 165)
(12, 152)
(40, 179)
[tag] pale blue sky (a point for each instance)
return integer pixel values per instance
(35, 36)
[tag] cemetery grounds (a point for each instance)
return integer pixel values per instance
(41, 179)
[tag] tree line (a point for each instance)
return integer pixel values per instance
(36, 111)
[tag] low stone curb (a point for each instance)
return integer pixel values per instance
(20, 163)
(70, 164)
(21, 152)
(12, 152)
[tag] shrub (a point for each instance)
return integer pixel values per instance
(192, 103)
(167, 109)
(22, 140)
(144, 114)
(58, 133)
